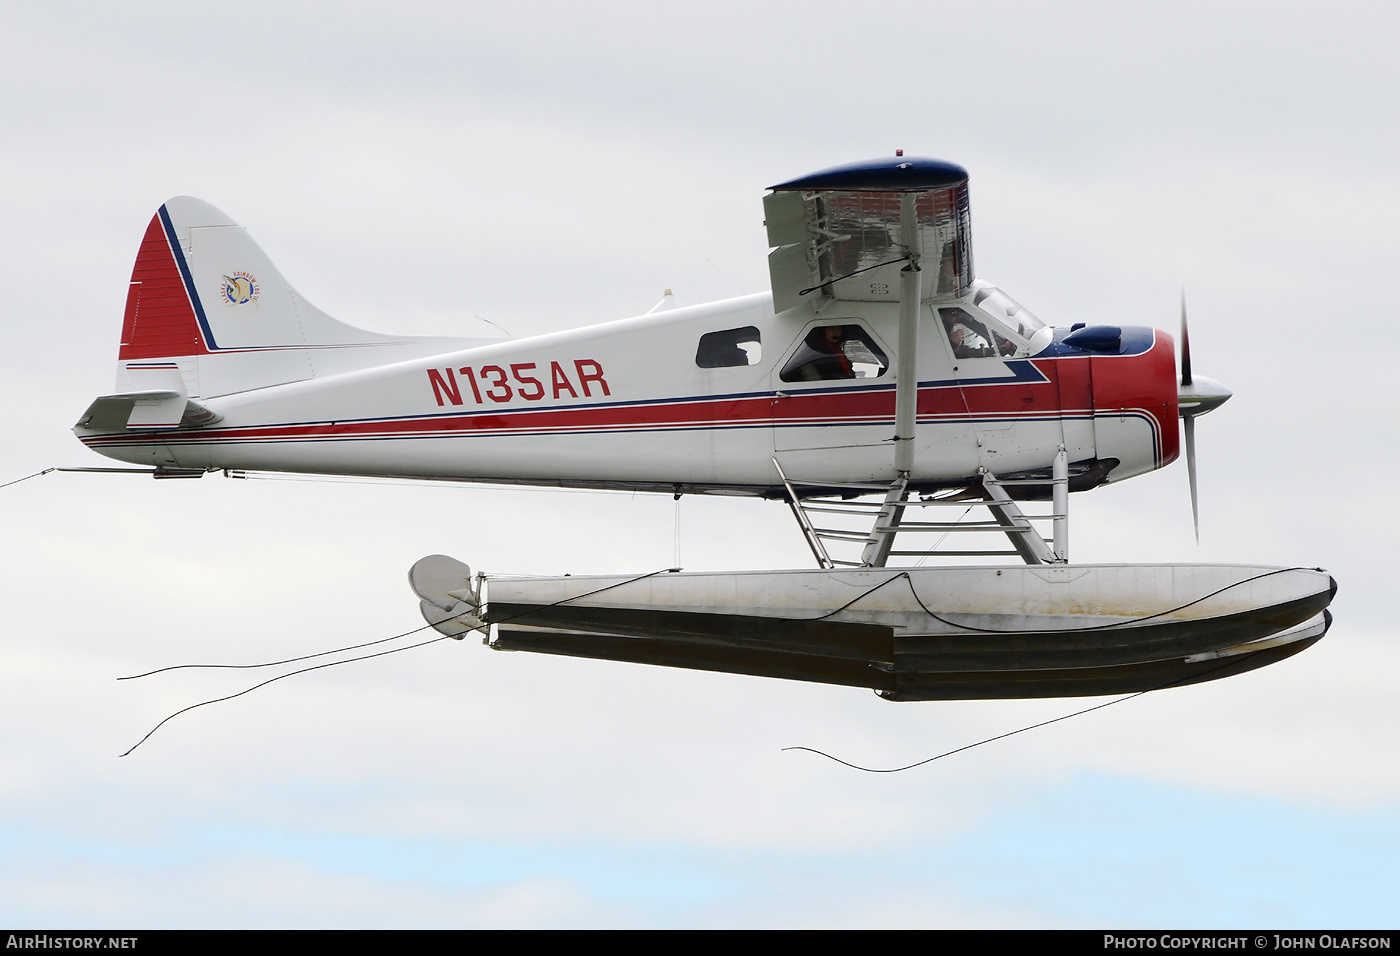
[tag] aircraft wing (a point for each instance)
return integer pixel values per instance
(836, 233)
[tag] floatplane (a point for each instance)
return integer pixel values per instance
(878, 384)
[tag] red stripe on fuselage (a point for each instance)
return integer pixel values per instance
(868, 407)
(1013, 400)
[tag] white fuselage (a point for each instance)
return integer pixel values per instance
(626, 405)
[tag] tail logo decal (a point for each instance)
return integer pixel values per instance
(240, 289)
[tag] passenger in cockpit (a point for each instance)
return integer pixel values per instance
(827, 340)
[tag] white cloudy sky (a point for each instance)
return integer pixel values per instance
(412, 167)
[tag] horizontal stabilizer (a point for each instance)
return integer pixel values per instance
(146, 410)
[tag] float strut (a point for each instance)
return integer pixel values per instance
(1060, 496)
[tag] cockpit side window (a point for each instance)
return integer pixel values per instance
(835, 352)
(968, 336)
(980, 336)
(730, 348)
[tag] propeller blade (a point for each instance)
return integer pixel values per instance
(1194, 397)
(1185, 344)
(1190, 422)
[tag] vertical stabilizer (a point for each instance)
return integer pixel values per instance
(205, 300)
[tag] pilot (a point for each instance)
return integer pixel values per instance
(967, 342)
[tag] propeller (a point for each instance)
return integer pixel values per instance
(1195, 396)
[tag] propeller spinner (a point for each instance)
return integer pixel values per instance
(1195, 396)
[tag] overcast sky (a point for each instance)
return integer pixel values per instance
(422, 168)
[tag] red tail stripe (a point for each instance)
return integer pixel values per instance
(160, 321)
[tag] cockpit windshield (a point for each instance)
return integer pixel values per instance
(1005, 309)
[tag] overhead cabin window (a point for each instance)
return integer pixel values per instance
(973, 337)
(729, 348)
(835, 352)
(1002, 307)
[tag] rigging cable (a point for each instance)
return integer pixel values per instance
(27, 477)
(904, 575)
(313, 667)
(290, 660)
(1020, 730)
(934, 547)
(835, 279)
(351, 660)
(1193, 677)
(1096, 627)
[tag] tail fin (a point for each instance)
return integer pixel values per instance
(207, 299)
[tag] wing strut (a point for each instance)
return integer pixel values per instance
(906, 389)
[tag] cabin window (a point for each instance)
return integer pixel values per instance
(730, 348)
(835, 352)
